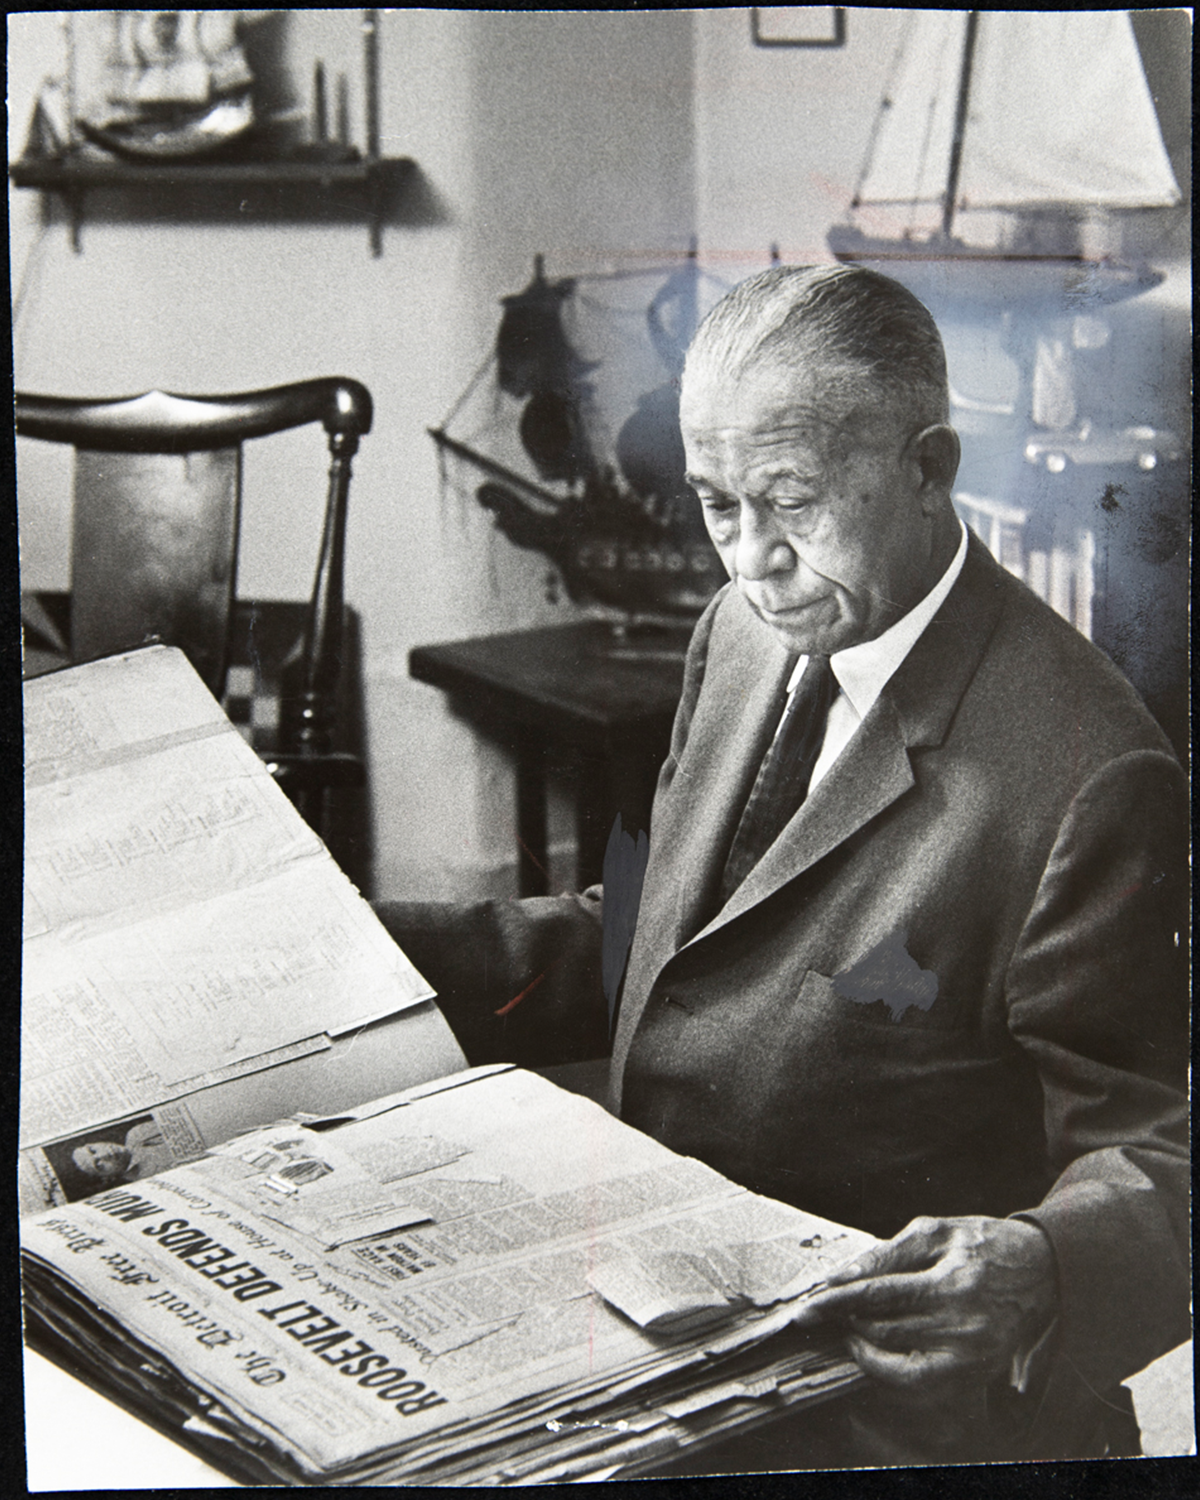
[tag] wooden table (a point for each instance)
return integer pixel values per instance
(592, 700)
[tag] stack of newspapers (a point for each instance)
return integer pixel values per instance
(484, 1280)
(264, 1204)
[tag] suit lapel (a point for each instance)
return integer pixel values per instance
(868, 776)
(724, 751)
(914, 710)
(729, 735)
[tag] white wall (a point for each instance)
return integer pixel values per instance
(527, 128)
(781, 135)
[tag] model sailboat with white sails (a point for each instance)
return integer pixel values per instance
(1004, 144)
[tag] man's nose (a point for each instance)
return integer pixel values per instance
(762, 549)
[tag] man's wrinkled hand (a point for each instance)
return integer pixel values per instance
(945, 1299)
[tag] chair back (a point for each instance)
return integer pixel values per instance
(157, 504)
(154, 549)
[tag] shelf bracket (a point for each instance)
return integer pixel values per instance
(73, 201)
(376, 195)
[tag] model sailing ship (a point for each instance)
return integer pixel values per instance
(617, 519)
(1000, 145)
(1006, 149)
(153, 85)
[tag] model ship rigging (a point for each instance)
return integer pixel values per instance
(615, 517)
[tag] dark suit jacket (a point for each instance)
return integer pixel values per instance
(954, 985)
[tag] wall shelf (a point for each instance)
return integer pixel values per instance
(373, 189)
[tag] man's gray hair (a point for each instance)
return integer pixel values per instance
(846, 314)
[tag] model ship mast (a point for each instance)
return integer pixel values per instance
(960, 123)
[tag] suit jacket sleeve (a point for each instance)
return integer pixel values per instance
(1097, 995)
(520, 981)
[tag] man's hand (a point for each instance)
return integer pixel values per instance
(944, 1299)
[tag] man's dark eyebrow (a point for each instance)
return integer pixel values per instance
(787, 470)
(773, 475)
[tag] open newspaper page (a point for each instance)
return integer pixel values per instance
(483, 1280)
(184, 930)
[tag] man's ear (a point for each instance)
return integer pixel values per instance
(937, 451)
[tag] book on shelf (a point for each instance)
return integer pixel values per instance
(267, 1207)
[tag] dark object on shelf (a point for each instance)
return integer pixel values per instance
(589, 700)
(158, 481)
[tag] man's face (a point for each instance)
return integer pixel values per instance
(104, 1159)
(812, 497)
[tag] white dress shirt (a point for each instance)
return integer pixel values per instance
(863, 671)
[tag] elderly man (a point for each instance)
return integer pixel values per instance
(910, 946)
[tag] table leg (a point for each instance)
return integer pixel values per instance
(594, 814)
(533, 866)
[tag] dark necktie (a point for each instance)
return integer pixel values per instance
(782, 781)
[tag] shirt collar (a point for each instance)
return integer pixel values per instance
(862, 671)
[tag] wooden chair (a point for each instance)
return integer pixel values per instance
(156, 513)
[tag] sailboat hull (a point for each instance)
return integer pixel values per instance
(950, 273)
